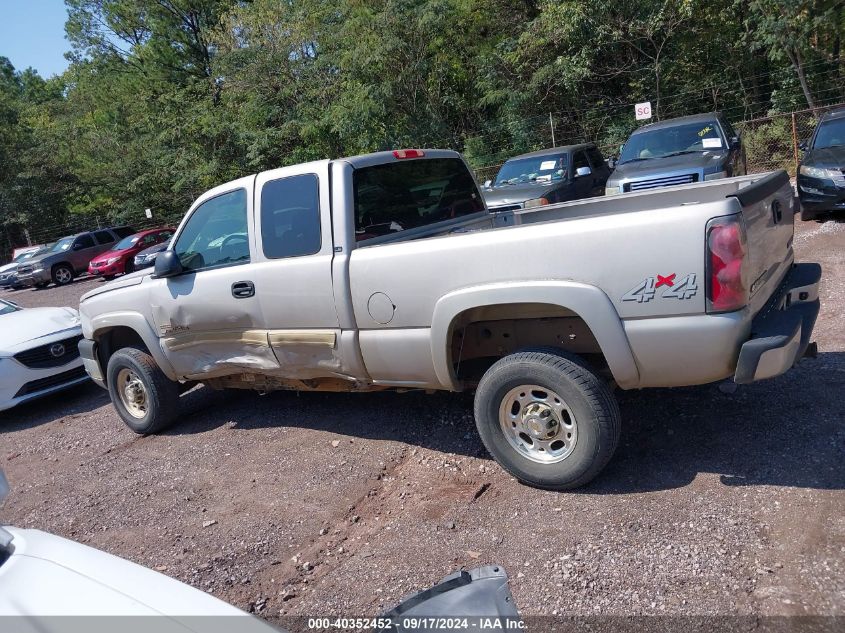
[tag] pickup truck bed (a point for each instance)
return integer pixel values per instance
(385, 271)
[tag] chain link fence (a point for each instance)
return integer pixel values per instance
(770, 142)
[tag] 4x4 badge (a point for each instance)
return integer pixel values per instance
(646, 290)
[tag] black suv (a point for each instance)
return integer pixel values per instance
(821, 175)
(548, 176)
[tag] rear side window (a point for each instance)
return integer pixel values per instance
(290, 217)
(579, 160)
(84, 241)
(103, 237)
(404, 195)
(595, 157)
(215, 234)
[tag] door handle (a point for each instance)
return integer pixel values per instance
(243, 289)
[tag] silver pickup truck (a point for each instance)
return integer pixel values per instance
(386, 271)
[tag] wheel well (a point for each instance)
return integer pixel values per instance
(481, 336)
(116, 338)
(57, 264)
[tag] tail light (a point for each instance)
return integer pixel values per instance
(408, 153)
(727, 287)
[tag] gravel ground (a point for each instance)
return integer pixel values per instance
(320, 504)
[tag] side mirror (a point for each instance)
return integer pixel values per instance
(583, 171)
(488, 183)
(167, 264)
(802, 146)
(77, 247)
(611, 162)
(734, 142)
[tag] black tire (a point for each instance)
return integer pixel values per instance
(42, 284)
(584, 394)
(108, 277)
(62, 274)
(162, 394)
(129, 267)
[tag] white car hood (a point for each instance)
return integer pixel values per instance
(8, 266)
(32, 323)
(47, 575)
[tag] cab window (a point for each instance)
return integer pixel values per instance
(579, 160)
(104, 237)
(215, 234)
(595, 158)
(290, 217)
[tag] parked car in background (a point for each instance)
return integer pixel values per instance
(69, 257)
(23, 250)
(678, 152)
(147, 257)
(548, 176)
(821, 174)
(120, 258)
(38, 352)
(9, 272)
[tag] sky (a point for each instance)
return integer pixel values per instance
(32, 33)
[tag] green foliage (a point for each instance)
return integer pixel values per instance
(167, 98)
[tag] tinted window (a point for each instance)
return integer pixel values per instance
(123, 231)
(164, 235)
(84, 241)
(595, 157)
(290, 216)
(411, 193)
(831, 133)
(216, 233)
(104, 237)
(579, 159)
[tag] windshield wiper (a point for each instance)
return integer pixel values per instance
(634, 160)
(686, 151)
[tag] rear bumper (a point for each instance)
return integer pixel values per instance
(88, 352)
(782, 331)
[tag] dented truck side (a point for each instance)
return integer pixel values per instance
(386, 271)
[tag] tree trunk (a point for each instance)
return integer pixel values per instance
(795, 58)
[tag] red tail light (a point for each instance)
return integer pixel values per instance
(408, 153)
(727, 289)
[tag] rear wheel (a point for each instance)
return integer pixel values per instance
(129, 267)
(146, 399)
(547, 419)
(62, 274)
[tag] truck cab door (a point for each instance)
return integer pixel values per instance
(209, 317)
(293, 270)
(84, 249)
(582, 185)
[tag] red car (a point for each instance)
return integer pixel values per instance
(118, 260)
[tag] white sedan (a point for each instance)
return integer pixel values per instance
(38, 352)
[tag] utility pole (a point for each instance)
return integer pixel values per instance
(552, 125)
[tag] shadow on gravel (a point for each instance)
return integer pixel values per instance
(73, 401)
(783, 432)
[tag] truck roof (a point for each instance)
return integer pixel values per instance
(836, 113)
(692, 118)
(555, 150)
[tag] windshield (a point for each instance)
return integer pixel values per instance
(63, 244)
(671, 141)
(831, 133)
(539, 169)
(126, 242)
(6, 307)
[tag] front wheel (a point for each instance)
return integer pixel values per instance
(62, 274)
(547, 419)
(146, 399)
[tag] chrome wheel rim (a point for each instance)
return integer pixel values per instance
(63, 275)
(538, 424)
(133, 393)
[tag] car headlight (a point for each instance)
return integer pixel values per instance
(611, 190)
(112, 260)
(716, 176)
(819, 172)
(536, 202)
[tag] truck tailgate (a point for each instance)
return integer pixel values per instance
(768, 207)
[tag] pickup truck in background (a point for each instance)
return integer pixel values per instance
(548, 176)
(678, 152)
(386, 271)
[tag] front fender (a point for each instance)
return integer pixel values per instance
(94, 327)
(588, 302)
